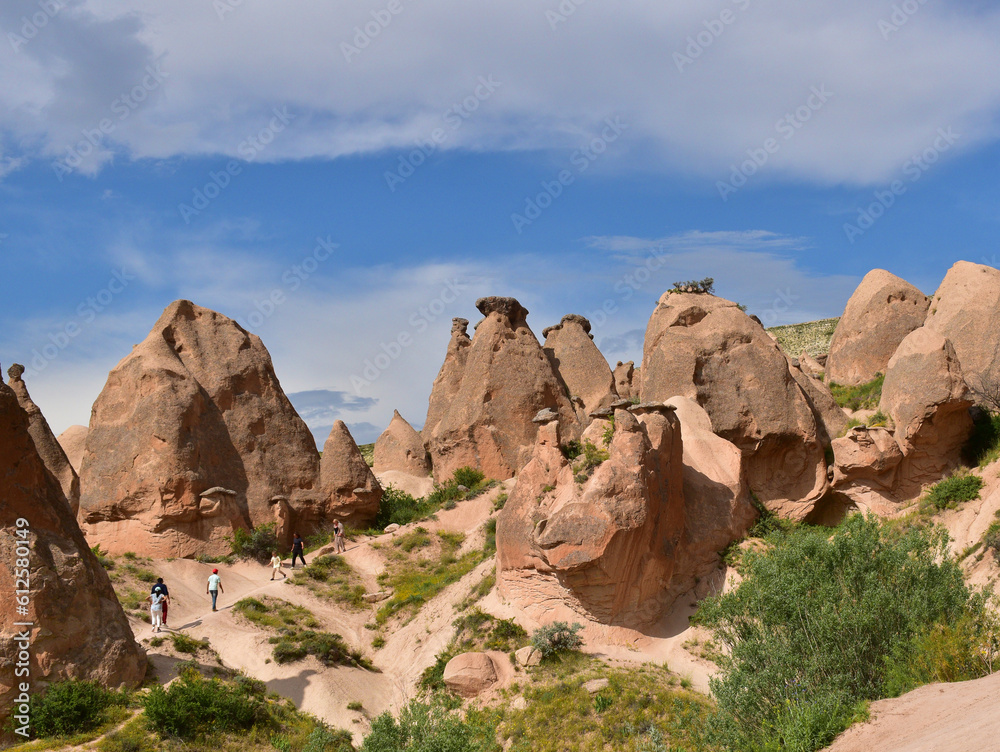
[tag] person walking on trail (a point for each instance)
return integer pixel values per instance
(161, 588)
(214, 587)
(297, 544)
(338, 538)
(157, 605)
(276, 565)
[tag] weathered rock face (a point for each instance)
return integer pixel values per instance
(705, 348)
(866, 462)
(810, 366)
(717, 507)
(52, 454)
(401, 448)
(80, 629)
(965, 309)
(506, 380)
(570, 348)
(73, 441)
(830, 417)
(196, 405)
(927, 399)
(449, 378)
(468, 674)
(350, 492)
(880, 313)
(626, 383)
(606, 548)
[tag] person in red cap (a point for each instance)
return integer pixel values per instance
(214, 586)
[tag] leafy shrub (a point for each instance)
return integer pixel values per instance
(323, 739)
(499, 502)
(102, 557)
(490, 543)
(257, 544)
(328, 647)
(952, 491)
(860, 397)
(557, 637)
(991, 540)
(185, 644)
(468, 477)
(811, 626)
(193, 705)
(879, 420)
(703, 286)
(592, 457)
(571, 450)
(424, 727)
(398, 507)
(70, 707)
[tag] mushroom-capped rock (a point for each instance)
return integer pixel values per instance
(506, 380)
(927, 399)
(570, 349)
(830, 417)
(49, 449)
(626, 384)
(449, 378)
(195, 405)
(80, 630)
(965, 309)
(468, 674)
(400, 447)
(705, 348)
(880, 313)
(717, 507)
(350, 492)
(73, 441)
(606, 547)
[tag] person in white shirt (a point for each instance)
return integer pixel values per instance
(214, 586)
(156, 603)
(276, 565)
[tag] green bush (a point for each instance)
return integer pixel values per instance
(991, 540)
(557, 637)
(102, 557)
(398, 507)
(70, 707)
(861, 397)
(812, 625)
(192, 706)
(490, 543)
(329, 648)
(953, 491)
(323, 739)
(571, 450)
(702, 286)
(424, 727)
(257, 544)
(185, 644)
(468, 477)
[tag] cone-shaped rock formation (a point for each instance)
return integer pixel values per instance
(401, 448)
(350, 491)
(570, 349)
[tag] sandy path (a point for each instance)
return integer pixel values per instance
(959, 717)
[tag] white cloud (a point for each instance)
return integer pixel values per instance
(891, 90)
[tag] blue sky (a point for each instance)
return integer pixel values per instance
(336, 176)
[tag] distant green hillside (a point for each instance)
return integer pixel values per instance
(812, 336)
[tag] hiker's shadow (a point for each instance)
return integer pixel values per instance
(294, 687)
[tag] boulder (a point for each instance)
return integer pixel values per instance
(703, 347)
(603, 546)
(927, 399)
(401, 448)
(527, 656)
(865, 466)
(73, 441)
(965, 309)
(626, 383)
(596, 685)
(880, 313)
(830, 417)
(194, 406)
(717, 506)
(449, 378)
(79, 629)
(506, 380)
(811, 367)
(570, 348)
(349, 491)
(49, 448)
(468, 674)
